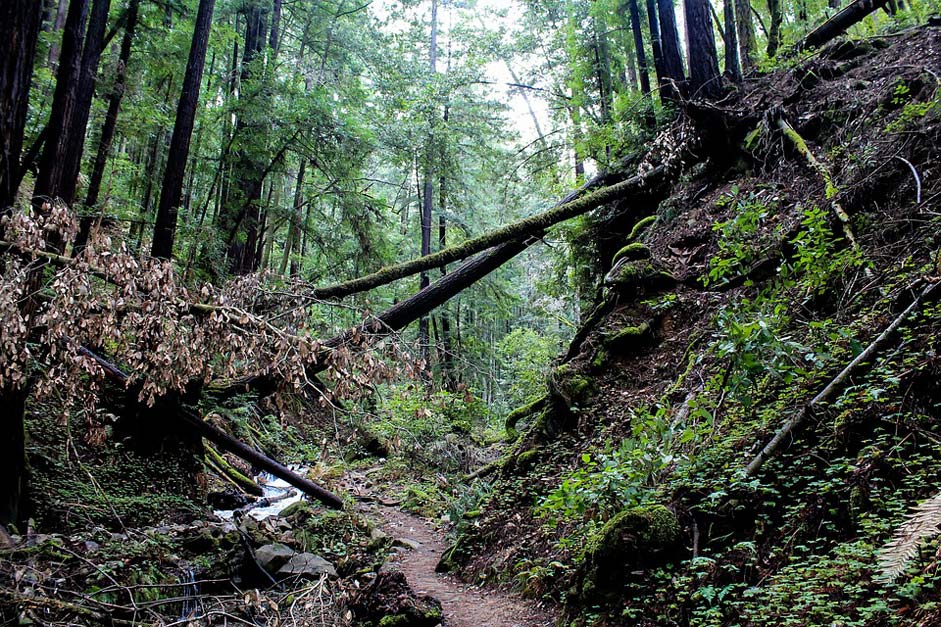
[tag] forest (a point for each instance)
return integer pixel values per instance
(463, 313)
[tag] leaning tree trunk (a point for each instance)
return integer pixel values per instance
(837, 25)
(703, 64)
(19, 29)
(172, 188)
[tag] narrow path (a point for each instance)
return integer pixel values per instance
(464, 605)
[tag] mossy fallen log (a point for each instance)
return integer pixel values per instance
(231, 472)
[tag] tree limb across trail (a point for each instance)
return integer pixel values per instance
(226, 442)
(576, 203)
(510, 241)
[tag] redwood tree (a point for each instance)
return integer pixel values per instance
(703, 63)
(674, 77)
(19, 27)
(172, 188)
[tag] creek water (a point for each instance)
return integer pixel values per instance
(278, 495)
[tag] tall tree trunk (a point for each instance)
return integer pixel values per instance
(746, 33)
(241, 213)
(774, 29)
(674, 77)
(603, 71)
(732, 66)
(19, 30)
(51, 180)
(424, 338)
(639, 47)
(703, 63)
(653, 26)
(110, 124)
(172, 187)
(58, 25)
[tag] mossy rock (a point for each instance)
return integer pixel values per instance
(635, 539)
(629, 275)
(640, 227)
(570, 385)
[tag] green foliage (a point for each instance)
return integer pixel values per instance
(737, 243)
(526, 356)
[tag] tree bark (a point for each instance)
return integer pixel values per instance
(172, 188)
(704, 78)
(19, 30)
(675, 79)
(837, 25)
(746, 33)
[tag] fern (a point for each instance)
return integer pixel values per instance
(923, 523)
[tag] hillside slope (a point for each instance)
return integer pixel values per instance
(626, 495)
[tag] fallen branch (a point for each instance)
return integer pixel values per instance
(831, 190)
(245, 484)
(837, 25)
(836, 384)
(226, 442)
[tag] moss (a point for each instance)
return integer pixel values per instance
(635, 274)
(632, 252)
(513, 418)
(629, 337)
(640, 227)
(639, 537)
(600, 358)
(527, 459)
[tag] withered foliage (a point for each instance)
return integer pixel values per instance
(163, 333)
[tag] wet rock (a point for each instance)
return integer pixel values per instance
(307, 565)
(271, 557)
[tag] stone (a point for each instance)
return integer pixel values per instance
(271, 557)
(307, 565)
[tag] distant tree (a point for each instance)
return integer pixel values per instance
(774, 29)
(732, 66)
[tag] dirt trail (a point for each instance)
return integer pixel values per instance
(464, 605)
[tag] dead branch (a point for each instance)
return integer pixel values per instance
(837, 383)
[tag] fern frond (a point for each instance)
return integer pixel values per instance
(923, 523)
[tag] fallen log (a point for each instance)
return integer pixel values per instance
(226, 442)
(835, 26)
(527, 232)
(931, 292)
(574, 204)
